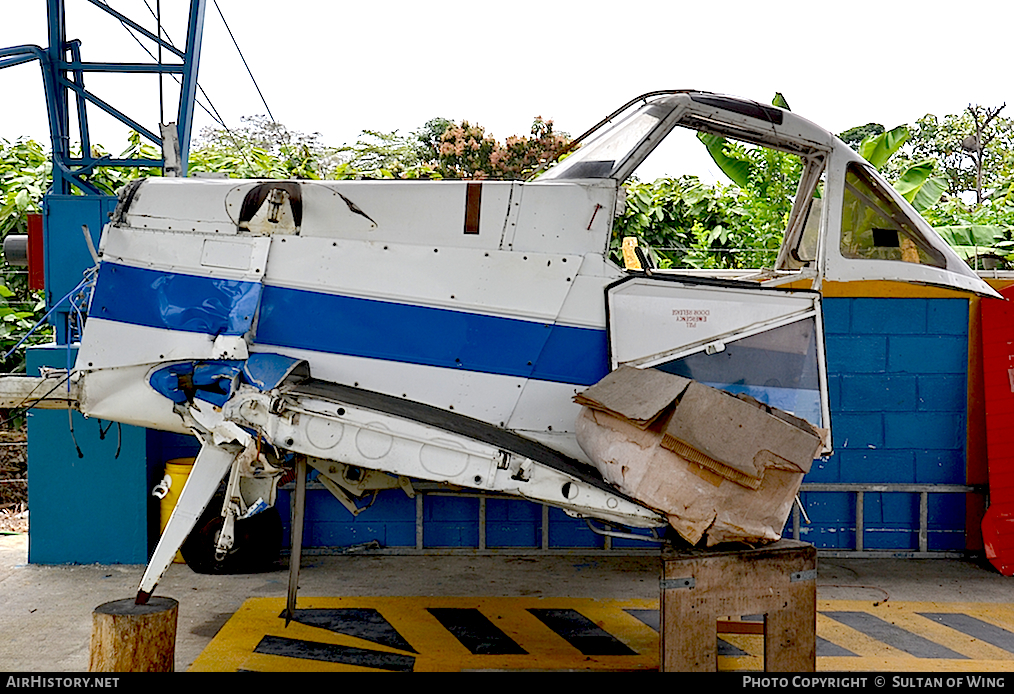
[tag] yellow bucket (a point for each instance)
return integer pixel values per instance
(178, 470)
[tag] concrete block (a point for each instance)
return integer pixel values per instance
(824, 470)
(924, 430)
(947, 316)
(856, 353)
(857, 430)
(878, 316)
(940, 467)
(878, 393)
(927, 354)
(877, 465)
(942, 393)
(513, 510)
(565, 531)
(450, 508)
(451, 534)
(505, 534)
(837, 316)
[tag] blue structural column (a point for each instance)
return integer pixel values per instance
(87, 508)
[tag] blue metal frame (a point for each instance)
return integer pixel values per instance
(63, 75)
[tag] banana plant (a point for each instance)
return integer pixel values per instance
(974, 242)
(918, 183)
(739, 170)
(877, 149)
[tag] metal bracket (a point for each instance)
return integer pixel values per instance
(810, 575)
(678, 583)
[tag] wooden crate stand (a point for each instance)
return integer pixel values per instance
(701, 586)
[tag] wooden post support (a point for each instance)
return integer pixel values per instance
(127, 637)
(702, 586)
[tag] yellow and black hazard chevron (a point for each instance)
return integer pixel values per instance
(418, 634)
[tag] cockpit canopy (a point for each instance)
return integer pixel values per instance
(846, 223)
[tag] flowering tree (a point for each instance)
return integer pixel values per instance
(467, 151)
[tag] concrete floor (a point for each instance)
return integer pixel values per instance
(45, 611)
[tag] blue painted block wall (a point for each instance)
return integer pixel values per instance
(448, 522)
(898, 371)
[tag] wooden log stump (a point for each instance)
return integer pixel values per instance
(127, 637)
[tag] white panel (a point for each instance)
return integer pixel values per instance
(185, 253)
(546, 406)
(525, 285)
(410, 212)
(124, 395)
(565, 217)
(228, 255)
(657, 318)
(585, 305)
(112, 344)
(195, 205)
(564, 443)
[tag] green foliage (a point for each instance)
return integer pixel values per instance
(262, 148)
(973, 242)
(520, 158)
(738, 169)
(878, 149)
(24, 176)
(958, 172)
(690, 224)
(951, 141)
(918, 181)
(920, 185)
(853, 137)
(25, 171)
(383, 155)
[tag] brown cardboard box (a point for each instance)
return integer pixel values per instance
(716, 464)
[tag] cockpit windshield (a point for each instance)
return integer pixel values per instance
(605, 152)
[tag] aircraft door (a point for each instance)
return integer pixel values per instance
(736, 336)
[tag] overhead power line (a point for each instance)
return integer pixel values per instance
(241, 57)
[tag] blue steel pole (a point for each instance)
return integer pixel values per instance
(56, 16)
(188, 91)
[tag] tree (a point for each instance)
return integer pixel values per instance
(973, 208)
(974, 149)
(263, 148)
(977, 143)
(520, 157)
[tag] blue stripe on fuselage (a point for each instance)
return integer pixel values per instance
(173, 301)
(431, 336)
(345, 325)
